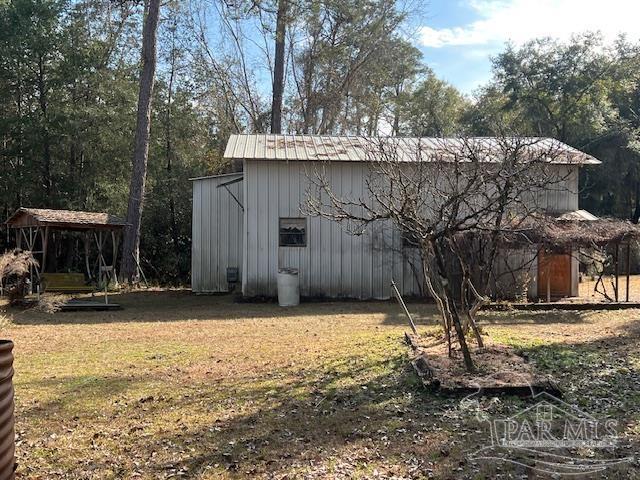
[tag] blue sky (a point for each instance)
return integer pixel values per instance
(458, 37)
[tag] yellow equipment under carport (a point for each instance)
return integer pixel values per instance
(65, 283)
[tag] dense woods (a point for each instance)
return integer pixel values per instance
(69, 87)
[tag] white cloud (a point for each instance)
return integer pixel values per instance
(522, 20)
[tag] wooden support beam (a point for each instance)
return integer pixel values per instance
(548, 268)
(101, 262)
(45, 242)
(23, 231)
(617, 270)
(628, 269)
(31, 244)
(86, 255)
(404, 307)
(115, 240)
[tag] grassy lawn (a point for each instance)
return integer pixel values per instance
(179, 386)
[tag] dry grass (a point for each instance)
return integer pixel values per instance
(200, 387)
(16, 263)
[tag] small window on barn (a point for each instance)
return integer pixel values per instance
(293, 232)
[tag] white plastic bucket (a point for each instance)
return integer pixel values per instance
(288, 287)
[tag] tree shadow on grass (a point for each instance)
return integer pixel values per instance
(345, 416)
(278, 422)
(316, 418)
(174, 306)
(601, 374)
(340, 418)
(70, 392)
(540, 317)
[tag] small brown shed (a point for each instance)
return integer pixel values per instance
(33, 227)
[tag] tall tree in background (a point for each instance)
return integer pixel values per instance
(278, 68)
(582, 92)
(342, 67)
(434, 109)
(131, 243)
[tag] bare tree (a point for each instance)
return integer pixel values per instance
(131, 242)
(278, 68)
(223, 62)
(453, 199)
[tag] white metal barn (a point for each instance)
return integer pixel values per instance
(248, 225)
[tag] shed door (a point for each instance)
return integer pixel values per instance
(554, 273)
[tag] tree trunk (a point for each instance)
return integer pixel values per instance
(131, 242)
(451, 309)
(278, 68)
(636, 212)
(457, 324)
(46, 140)
(169, 152)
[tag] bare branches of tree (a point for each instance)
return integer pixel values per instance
(454, 198)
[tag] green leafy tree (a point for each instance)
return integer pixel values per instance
(434, 109)
(582, 93)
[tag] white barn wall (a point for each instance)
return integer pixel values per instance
(334, 263)
(216, 233)
(562, 196)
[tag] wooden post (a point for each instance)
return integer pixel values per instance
(140, 270)
(106, 295)
(45, 242)
(547, 267)
(548, 284)
(101, 262)
(628, 269)
(31, 245)
(86, 255)
(115, 240)
(100, 256)
(617, 269)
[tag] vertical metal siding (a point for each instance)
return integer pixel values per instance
(562, 196)
(217, 233)
(334, 263)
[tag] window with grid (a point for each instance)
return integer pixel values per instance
(293, 232)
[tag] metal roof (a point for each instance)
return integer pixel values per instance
(70, 218)
(405, 149)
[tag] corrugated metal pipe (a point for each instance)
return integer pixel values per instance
(7, 430)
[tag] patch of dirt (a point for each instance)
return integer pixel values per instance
(497, 367)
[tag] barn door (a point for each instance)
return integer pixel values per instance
(554, 274)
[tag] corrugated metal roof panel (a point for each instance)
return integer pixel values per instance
(360, 149)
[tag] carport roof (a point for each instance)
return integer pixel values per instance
(72, 219)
